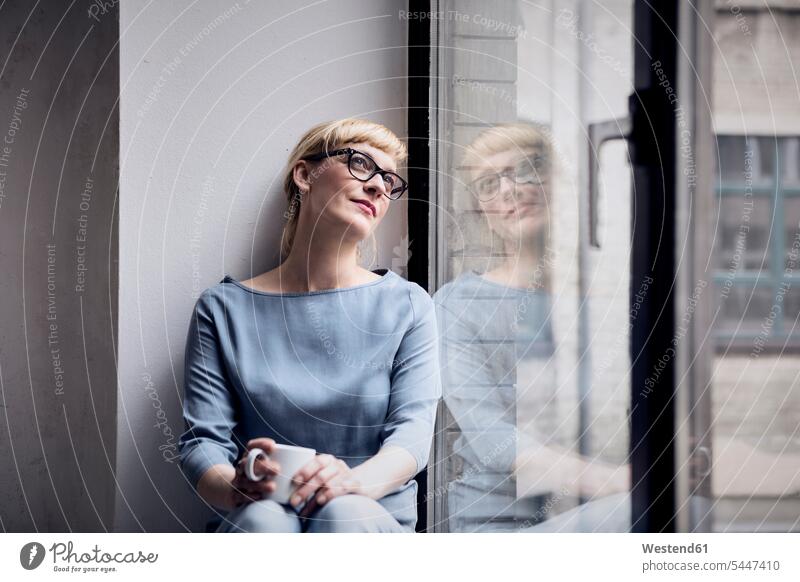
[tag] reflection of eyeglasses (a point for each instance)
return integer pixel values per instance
(362, 167)
(532, 170)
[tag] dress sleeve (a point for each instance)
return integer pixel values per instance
(415, 383)
(208, 405)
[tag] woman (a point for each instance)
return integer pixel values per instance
(318, 353)
(498, 357)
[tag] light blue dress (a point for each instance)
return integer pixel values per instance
(492, 336)
(344, 371)
(487, 331)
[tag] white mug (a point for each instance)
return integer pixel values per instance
(290, 458)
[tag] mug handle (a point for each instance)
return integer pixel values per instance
(251, 460)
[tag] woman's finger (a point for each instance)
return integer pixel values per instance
(323, 495)
(326, 493)
(265, 444)
(257, 488)
(307, 471)
(306, 490)
(317, 481)
(261, 466)
(240, 464)
(264, 486)
(307, 477)
(339, 485)
(337, 472)
(266, 467)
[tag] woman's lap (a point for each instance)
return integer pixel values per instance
(610, 514)
(265, 516)
(347, 513)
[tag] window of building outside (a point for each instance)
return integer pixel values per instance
(758, 245)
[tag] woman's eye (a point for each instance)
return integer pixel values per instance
(489, 183)
(389, 180)
(360, 162)
(531, 170)
(526, 167)
(539, 164)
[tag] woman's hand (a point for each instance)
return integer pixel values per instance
(245, 490)
(612, 479)
(547, 468)
(322, 479)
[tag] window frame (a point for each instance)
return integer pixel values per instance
(419, 207)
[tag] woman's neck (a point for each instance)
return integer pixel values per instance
(524, 267)
(315, 264)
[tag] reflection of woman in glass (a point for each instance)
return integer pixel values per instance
(318, 353)
(498, 358)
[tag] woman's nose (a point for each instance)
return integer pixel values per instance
(506, 188)
(375, 185)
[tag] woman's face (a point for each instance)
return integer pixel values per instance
(515, 211)
(350, 208)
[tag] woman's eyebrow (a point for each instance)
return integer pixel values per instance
(496, 171)
(387, 168)
(382, 167)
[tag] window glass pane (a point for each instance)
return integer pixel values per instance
(731, 159)
(743, 234)
(532, 429)
(764, 151)
(746, 161)
(791, 218)
(791, 309)
(745, 309)
(791, 265)
(790, 163)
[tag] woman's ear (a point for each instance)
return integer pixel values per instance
(302, 175)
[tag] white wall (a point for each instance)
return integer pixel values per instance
(213, 96)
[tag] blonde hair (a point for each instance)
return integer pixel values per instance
(325, 137)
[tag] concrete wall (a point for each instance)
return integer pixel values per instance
(58, 259)
(213, 96)
(755, 70)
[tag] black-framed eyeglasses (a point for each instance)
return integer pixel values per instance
(529, 170)
(363, 168)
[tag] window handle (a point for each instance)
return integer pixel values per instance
(600, 133)
(703, 453)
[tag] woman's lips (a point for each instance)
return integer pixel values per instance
(525, 208)
(365, 207)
